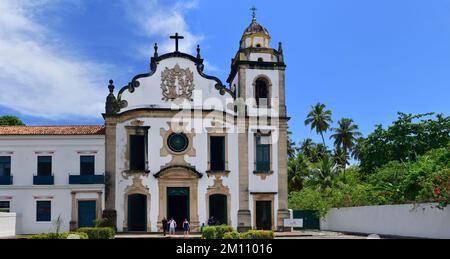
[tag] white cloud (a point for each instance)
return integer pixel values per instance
(39, 76)
(157, 21)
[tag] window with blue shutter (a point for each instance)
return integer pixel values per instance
(87, 165)
(43, 211)
(5, 165)
(217, 153)
(137, 152)
(44, 166)
(262, 155)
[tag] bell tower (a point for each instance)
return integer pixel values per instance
(258, 78)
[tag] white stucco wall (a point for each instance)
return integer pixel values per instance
(156, 162)
(7, 224)
(419, 220)
(64, 151)
(23, 195)
(251, 76)
(148, 94)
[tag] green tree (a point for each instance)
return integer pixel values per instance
(345, 137)
(320, 119)
(340, 158)
(298, 171)
(290, 145)
(9, 120)
(407, 138)
(307, 147)
(325, 172)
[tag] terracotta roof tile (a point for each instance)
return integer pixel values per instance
(52, 130)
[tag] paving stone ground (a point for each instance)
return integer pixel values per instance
(284, 235)
(307, 234)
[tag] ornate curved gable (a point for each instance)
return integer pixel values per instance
(175, 79)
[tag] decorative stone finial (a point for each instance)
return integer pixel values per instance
(155, 55)
(111, 86)
(198, 52)
(111, 99)
(280, 47)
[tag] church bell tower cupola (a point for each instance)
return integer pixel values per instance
(255, 36)
(257, 70)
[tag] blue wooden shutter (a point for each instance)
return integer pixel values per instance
(262, 156)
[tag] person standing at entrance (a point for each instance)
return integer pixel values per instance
(186, 228)
(164, 225)
(172, 226)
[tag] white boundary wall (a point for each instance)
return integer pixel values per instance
(7, 224)
(409, 220)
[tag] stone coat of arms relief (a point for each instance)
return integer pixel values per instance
(177, 83)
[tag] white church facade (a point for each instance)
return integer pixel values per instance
(176, 143)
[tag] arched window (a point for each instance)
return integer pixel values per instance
(260, 60)
(261, 92)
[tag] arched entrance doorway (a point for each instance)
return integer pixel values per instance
(178, 205)
(218, 208)
(137, 212)
(178, 192)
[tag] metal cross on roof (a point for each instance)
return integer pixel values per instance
(253, 9)
(176, 38)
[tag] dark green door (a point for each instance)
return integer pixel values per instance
(137, 212)
(86, 213)
(264, 215)
(310, 219)
(178, 205)
(218, 208)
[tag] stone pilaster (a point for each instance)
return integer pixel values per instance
(281, 93)
(110, 165)
(73, 222)
(244, 214)
(283, 212)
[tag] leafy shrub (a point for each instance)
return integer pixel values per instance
(209, 233)
(232, 235)
(309, 199)
(442, 189)
(258, 234)
(59, 236)
(101, 223)
(222, 230)
(216, 232)
(99, 233)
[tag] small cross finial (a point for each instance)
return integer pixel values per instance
(253, 9)
(176, 38)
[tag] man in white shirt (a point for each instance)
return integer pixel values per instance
(172, 226)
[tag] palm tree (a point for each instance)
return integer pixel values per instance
(320, 119)
(358, 149)
(340, 158)
(345, 137)
(298, 170)
(307, 147)
(325, 172)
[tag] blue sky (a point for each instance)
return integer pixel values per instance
(365, 60)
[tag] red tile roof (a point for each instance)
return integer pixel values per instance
(52, 130)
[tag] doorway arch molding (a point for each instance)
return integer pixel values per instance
(219, 188)
(137, 188)
(175, 177)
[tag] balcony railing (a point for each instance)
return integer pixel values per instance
(6, 180)
(86, 179)
(43, 180)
